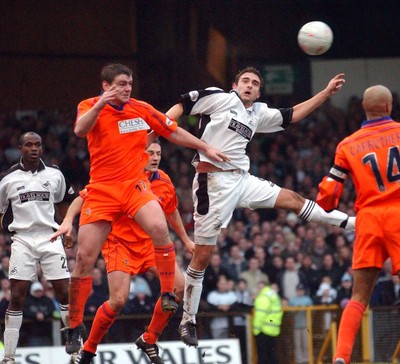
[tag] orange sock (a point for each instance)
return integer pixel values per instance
(165, 262)
(157, 325)
(79, 291)
(104, 318)
(348, 329)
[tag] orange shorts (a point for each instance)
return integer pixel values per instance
(132, 258)
(109, 200)
(377, 237)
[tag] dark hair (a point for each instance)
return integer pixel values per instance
(251, 70)
(22, 137)
(109, 72)
(156, 141)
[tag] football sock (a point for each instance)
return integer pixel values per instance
(64, 314)
(104, 318)
(348, 329)
(165, 262)
(13, 322)
(159, 321)
(193, 288)
(311, 211)
(79, 291)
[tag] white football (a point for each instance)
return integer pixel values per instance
(315, 38)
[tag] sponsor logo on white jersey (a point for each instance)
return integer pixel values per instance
(132, 125)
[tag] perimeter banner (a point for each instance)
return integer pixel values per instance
(222, 351)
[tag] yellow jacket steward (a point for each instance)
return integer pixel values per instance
(268, 313)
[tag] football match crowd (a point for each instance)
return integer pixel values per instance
(260, 246)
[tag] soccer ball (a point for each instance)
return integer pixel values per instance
(315, 38)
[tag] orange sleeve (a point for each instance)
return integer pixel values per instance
(165, 191)
(85, 106)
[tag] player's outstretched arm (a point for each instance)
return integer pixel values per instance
(67, 225)
(175, 111)
(300, 111)
(175, 221)
(185, 139)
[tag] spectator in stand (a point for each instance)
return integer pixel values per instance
(383, 293)
(261, 255)
(39, 308)
(5, 265)
(274, 268)
(213, 271)
(289, 278)
(311, 273)
(330, 268)
(344, 291)
(244, 303)
(98, 295)
(221, 299)
(4, 302)
(318, 249)
(253, 276)
(257, 240)
(301, 331)
(267, 320)
(140, 303)
(235, 263)
(326, 293)
(344, 257)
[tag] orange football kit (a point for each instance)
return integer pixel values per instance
(129, 249)
(118, 184)
(117, 146)
(371, 156)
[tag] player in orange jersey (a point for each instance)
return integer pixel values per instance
(128, 251)
(371, 157)
(116, 127)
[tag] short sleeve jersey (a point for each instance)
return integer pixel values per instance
(161, 185)
(30, 197)
(227, 125)
(371, 156)
(118, 140)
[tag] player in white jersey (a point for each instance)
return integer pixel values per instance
(28, 192)
(228, 122)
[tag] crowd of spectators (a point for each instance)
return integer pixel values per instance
(258, 247)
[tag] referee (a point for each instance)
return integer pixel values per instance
(29, 191)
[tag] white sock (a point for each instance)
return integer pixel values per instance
(64, 314)
(193, 288)
(13, 322)
(311, 211)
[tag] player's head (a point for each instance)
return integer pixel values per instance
(120, 76)
(248, 84)
(154, 152)
(377, 101)
(30, 145)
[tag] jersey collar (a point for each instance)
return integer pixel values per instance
(156, 175)
(40, 167)
(373, 122)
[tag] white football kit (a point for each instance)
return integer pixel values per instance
(227, 125)
(29, 198)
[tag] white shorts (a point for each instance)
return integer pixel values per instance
(217, 194)
(33, 250)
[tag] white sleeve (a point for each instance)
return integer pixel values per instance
(61, 189)
(270, 120)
